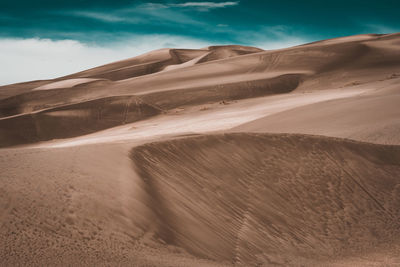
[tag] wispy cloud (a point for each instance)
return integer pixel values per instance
(379, 28)
(106, 17)
(46, 58)
(271, 37)
(206, 5)
(149, 13)
(201, 6)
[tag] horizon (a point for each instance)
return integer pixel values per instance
(53, 39)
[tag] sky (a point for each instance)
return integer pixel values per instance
(45, 39)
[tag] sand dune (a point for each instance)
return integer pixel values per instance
(211, 75)
(11, 90)
(209, 118)
(372, 117)
(78, 206)
(197, 157)
(279, 199)
(202, 201)
(158, 60)
(74, 120)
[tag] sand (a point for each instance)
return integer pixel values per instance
(64, 84)
(373, 116)
(282, 199)
(219, 156)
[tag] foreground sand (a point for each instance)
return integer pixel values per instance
(167, 159)
(243, 198)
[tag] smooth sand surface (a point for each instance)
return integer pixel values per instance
(203, 157)
(204, 119)
(373, 117)
(65, 83)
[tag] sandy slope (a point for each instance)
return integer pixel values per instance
(276, 199)
(134, 163)
(373, 116)
(64, 84)
(204, 119)
(243, 198)
(81, 206)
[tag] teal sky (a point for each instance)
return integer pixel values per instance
(60, 37)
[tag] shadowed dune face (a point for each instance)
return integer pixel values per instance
(133, 67)
(36, 100)
(235, 91)
(272, 199)
(73, 120)
(19, 88)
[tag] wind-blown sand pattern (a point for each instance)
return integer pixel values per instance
(220, 156)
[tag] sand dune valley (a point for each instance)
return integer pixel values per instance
(219, 156)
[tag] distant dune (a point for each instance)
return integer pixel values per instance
(218, 73)
(372, 117)
(219, 156)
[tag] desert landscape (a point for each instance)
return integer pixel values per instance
(220, 156)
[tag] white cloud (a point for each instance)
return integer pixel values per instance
(201, 6)
(379, 28)
(153, 6)
(99, 16)
(268, 44)
(141, 14)
(207, 5)
(35, 59)
(274, 37)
